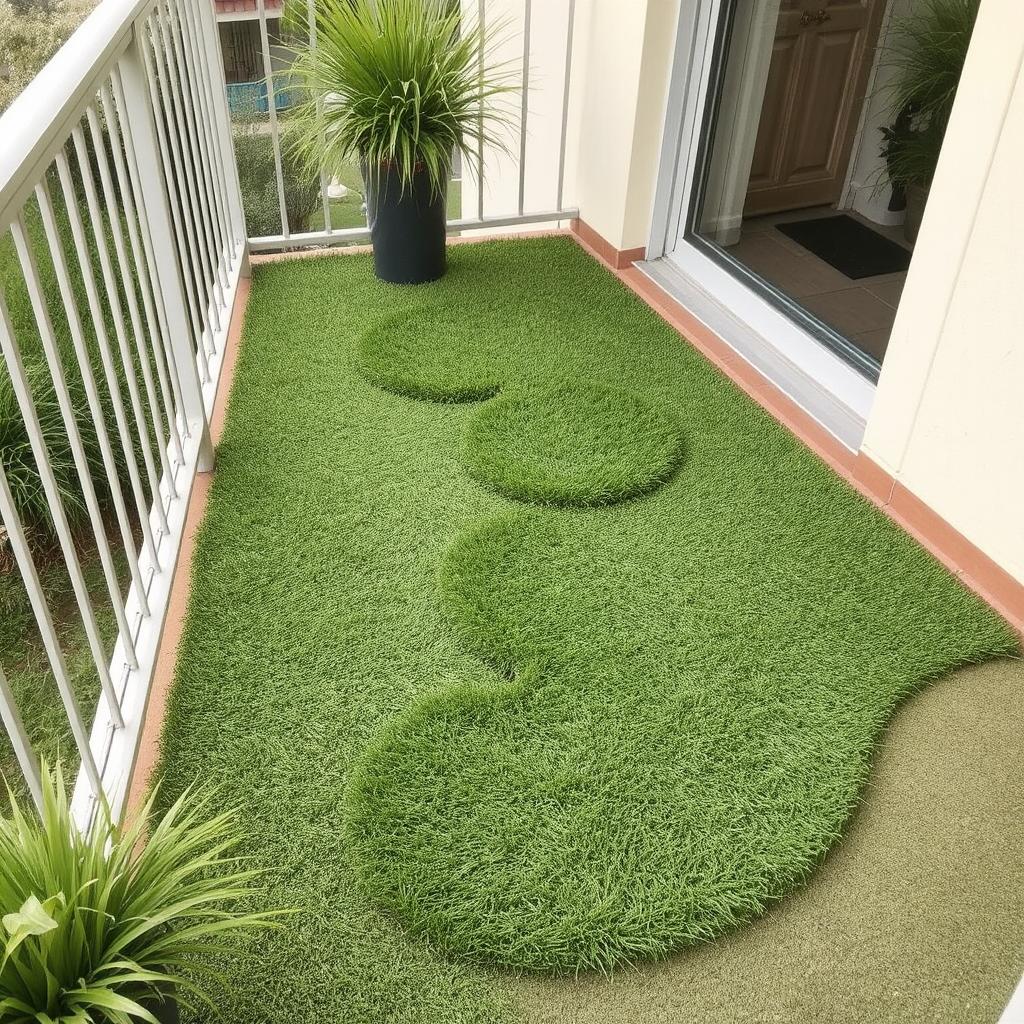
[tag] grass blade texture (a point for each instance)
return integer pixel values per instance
(542, 724)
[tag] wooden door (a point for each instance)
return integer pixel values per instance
(821, 60)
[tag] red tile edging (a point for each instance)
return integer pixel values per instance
(181, 586)
(973, 567)
(617, 259)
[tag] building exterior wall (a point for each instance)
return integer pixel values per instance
(625, 87)
(948, 419)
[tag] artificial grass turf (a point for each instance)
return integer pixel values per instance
(571, 444)
(697, 675)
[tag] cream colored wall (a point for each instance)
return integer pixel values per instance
(948, 420)
(624, 89)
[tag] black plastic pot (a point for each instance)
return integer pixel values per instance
(407, 226)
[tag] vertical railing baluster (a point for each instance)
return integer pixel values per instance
(311, 22)
(480, 70)
(565, 103)
(30, 271)
(524, 106)
(275, 135)
(154, 200)
(83, 358)
(27, 760)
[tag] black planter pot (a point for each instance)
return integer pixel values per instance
(407, 226)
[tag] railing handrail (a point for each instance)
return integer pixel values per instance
(36, 123)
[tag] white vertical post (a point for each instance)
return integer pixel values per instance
(140, 114)
(224, 133)
(15, 727)
(523, 112)
(569, 33)
(311, 22)
(37, 443)
(481, 16)
(275, 135)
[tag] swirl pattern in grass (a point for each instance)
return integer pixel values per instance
(610, 731)
(687, 688)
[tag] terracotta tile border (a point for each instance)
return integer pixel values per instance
(977, 571)
(181, 586)
(617, 259)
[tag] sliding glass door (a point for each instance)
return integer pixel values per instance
(785, 129)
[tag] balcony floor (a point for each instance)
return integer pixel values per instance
(743, 599)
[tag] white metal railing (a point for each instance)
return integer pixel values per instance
(558, 18)
(121, 204)
(118, 171)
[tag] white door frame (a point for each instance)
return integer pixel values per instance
(818, 379)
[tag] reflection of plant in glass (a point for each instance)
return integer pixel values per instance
(402, 83)
(99, 927)
(927, 56)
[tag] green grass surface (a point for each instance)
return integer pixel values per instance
(572, 444)
(538, 736)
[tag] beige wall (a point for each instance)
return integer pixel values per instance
(948, 420)
(624, 89)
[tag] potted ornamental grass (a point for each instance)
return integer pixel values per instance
(116, 925)
(399, 86)
(926, 57)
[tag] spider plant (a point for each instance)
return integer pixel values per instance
(401, 84)
(99, 926)
(927, 56)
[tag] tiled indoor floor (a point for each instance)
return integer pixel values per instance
(862, 310)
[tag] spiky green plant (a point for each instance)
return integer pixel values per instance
(98, 927)
(927, 56)
(400, 83)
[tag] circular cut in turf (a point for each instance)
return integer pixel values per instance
(571, 444)
(433, 353)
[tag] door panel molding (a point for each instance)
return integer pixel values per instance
(835, 44)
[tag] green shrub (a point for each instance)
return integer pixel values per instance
(257, 174)
(99, 926)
